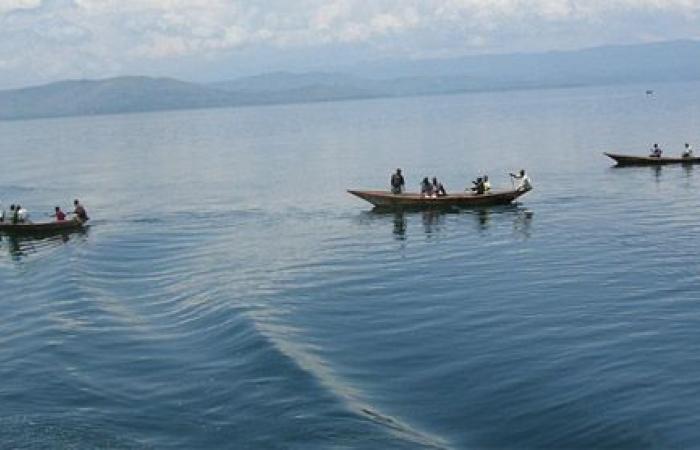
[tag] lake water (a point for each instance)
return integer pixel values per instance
(231, 294)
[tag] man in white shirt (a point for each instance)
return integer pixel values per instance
(22, 214)
(687, 151)
(525, 184)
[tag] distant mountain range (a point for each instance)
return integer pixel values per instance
(651, 63)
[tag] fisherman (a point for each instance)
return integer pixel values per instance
(687, 151)
(15, 214)
(426, 189)
(397, 182)
(59, 215)
(525, 183)
(487, 183)
(655, 151)
(478, 187)
(12, 216)
(79, 211)
(438, 188)
(22, 214)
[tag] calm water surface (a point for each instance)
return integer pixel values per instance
(230, 294)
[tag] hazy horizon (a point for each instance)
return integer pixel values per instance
(206, 41)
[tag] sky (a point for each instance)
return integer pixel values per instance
(210, 40)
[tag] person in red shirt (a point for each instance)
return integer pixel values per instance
(59, 215)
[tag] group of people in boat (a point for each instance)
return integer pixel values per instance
(19, 215)
(481, 185)
(656, 151)
(428, 188)
(435, 188)
(432, 188)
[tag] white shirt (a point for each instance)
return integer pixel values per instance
(23, 215)
(525, 182)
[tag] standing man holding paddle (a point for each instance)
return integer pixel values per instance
(397, 182)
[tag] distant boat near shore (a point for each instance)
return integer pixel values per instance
(631, 160)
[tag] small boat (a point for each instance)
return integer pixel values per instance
(628, 160)
(385, 199)
(44, 228)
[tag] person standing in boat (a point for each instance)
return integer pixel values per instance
(79, 211)
(524, 184)
(486, 183)
(438, 188)
(687, 151)
(426, 189)
(656, 151)
(478, 187)
(397, 182)
(12, 216)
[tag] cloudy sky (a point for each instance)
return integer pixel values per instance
(45, 40)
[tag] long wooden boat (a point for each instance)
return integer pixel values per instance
(65, 226)
(629, 160)
(385, 199)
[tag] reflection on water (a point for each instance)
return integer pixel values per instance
(483, 218)
(434, 221)
(657, 171)
(400, 225)
(20, 247)
(522, 224)
(688, 170)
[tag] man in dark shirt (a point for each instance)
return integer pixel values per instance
(80, 212)
(397, 182)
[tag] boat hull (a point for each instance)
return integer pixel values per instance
(628, 160)
(66, 226)
(384, 199)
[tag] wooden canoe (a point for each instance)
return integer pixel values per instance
(628, 160)
(44, 228)
(385, 199)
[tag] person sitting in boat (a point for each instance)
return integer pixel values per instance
(12, 215)
(524, 184)
(397, 182)
(486, 183)
(59, 215)
(687, 151)
(79, 211)
(655, 151)
(478, 187)
(426, 189)
(20, 215)
(438, 188)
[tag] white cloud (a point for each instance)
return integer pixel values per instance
(77, 37)
(14, 5)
